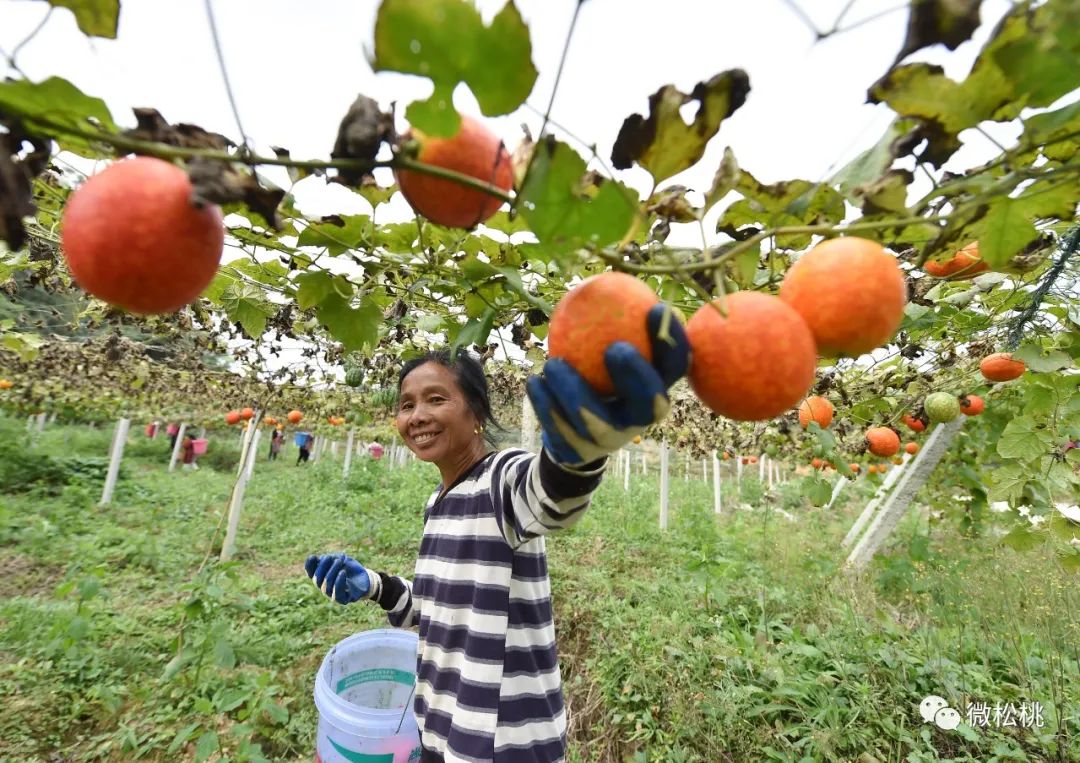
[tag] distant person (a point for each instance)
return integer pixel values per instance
(188, 446)
(375, 450)
(304, 441)
(275, 444)
(172, 430)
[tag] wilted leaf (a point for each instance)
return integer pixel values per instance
(562, 214)
(663, 143)
(886, 194)
(150, 126)
(446, 41)
(226, 184)
(949, 22)
(96, 18)
(792, 202)
(360, 134)
(724, 181)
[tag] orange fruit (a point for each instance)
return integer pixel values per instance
(294, 417)
(850, 291)
(1001, 367)
(605, 308)
(745, 460)
(854, 468)
(725, 455)
(882, 468)
(132, 237)
(912, 448)
(474, 151)
(637, 439)
(964, 264)
(815, 408)
(898, 460)
(232, 417)
(6, 384)
(871, 469)
(269, 421)
(753, 459)
(246, 414)
(971, 405)
(756, 362)
(915, 424)
(816, 463)
(882, 441)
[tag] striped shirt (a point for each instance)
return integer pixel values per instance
(488, 684)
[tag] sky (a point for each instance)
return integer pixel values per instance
(295, 67)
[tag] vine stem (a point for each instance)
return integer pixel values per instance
(167, 151)
(617, 261)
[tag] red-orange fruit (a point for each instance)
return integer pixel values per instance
(754, 364)
(851, 293)
(132, 237)
(916, 425)
(871, 469)
(971, 405)
(815, 408)
(1001, 367)
(246, 414)
(609, 307)
(474, 151)
(725, 455)
(882, 468)
(232, 417)
(854, 467)
(882, 441)
(294, 417)
(816, 463)
(964, 264)
(753, 459)
(898, 460)
(745, 460)
(912, 448)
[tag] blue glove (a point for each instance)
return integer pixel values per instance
(578, 425)
(340, 577)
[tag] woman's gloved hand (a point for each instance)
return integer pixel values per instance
(340, 577)
(579, 426)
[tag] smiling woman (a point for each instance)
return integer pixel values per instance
(488, 685)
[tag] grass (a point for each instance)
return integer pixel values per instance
(732, 638)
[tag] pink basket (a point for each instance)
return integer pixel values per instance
(198, 447)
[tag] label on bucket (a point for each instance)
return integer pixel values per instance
(375, 674)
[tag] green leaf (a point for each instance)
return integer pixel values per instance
(1007, 230)
(663, 143)
(1023, 438)
(57, 102)
(247, 305)
(355, 327)
(563, 215)
(313, 287)
(1043, 361)
(224, 657)
(206, 746)
(475, 330)
(376, 194)
(1041, 128)
(446, 41)
(25, 344)
(337, 234)
(270, 273)
(1007, 482)
(182, 736)
(817, 490)
(231, 699)
(277, 713)
(1022, 538)
(96, 18)
(876, 160)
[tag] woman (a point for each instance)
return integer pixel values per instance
(488, 683)
(275, 444)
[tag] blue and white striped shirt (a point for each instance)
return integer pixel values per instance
(488, 685)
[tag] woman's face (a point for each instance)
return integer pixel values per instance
(433, 416)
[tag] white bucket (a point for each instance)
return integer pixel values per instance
(364, 694)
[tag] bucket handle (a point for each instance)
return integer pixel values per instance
(408, 706)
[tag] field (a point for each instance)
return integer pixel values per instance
(729, 638)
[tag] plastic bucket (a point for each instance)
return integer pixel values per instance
(198, 447)
(299, 439)
(364, 695)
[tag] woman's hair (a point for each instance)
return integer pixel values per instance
(469, 375)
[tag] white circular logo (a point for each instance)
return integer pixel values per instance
(947, 718)
(929, 707)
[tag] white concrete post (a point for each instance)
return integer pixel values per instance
(716, 483)
(909, 484)
(41, 422)
(738, 470)
(704, 470)
(116, 453)
(644, 465)
(626, 471)
(348, 453)
(837, 488)
(236, 503)
(177, 446)
(253, 453)
(871, 506)
(762, 459)
(686, 471)
(528, 426)
(245, 441)
(52, 417)
(30, 423)
(664, 485)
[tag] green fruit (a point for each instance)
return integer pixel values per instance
(772, 451)
(941, 407)
(354, 377)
